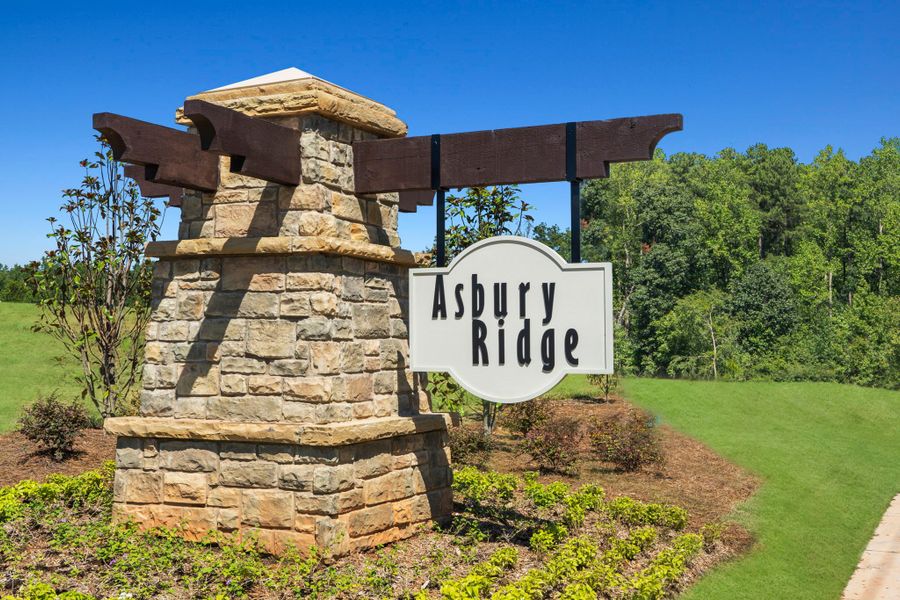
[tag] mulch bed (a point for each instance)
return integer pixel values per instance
(692, 476)
(22, 459)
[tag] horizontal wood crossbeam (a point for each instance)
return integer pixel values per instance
(170, 156)
(258, 148)
(503, 156)
(153, 190)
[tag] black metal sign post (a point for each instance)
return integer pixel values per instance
(441, 258)
(441, 249)
(574, 191)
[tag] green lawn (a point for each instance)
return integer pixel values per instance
(828, 454)
(829, 457)
(30, 363)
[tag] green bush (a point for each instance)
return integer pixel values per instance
(665, 569)
(565, 562)
(525, 416)
(54, 424)
(484, 487)
(479, 580)
(634, 512)
(546, 538)
(88, 488)
(470, 446)
(553, 445)
(629, 442)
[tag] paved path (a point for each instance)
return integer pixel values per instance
(877, 576)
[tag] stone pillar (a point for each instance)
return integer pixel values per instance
(277, 398)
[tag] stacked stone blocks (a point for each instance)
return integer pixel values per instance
(339, 498)
(270, 343)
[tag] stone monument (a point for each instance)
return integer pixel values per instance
(276, 392)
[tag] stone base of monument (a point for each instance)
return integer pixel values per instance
(277, 397)
(341, 487)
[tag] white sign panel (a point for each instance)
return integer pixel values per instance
(509, 318)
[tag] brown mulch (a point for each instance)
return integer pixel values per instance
(692, 476)
(22, 459)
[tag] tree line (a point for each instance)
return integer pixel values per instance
(751, 264)
(741, 265)
(14, 284)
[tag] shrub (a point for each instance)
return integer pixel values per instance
(629, 442)
(54, 424)
(665, 569)
(481, 577)
(553, 445)
(634, 512)
(484, 487)
(544, 495)
(470, 446)
(546, 538)
(525, 416)
(88, 488)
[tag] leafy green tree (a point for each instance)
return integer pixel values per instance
(836, 212)
(763, 303)
(14, 285)
(479, 214)
(94, 285)
(555, 238)
(879, 246)
(696, 337)
(805, 258)
(773, 175)
(729, 224)
(483, 213)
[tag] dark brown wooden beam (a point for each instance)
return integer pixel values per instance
(600, 143)
(410, 200)
(258, 148)
(504, 156)
(153, 190)
(170, 156)
(401, 164)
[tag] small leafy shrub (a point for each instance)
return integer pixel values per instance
(481, 488)
(553, 445)
(606, 383)
(479, 580)
(711, 533)
(88, 488)
(629, 442)
(588, 498)
(54, 424)
(544, 495)
(525, 416)
(634, 512)
(470, 446)
(546, 538)
(666, 568)
(571, 556)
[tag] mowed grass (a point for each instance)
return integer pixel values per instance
(31, 363)
(829, 458)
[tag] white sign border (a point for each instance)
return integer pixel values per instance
(605, 267)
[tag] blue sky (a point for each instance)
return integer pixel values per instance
(787, 74)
